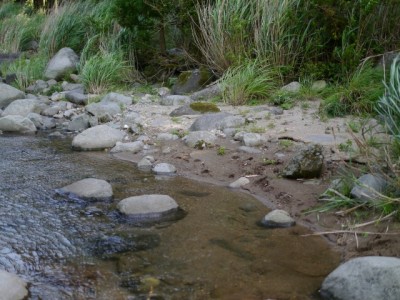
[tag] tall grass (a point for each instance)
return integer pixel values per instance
(66, 26)
(253, 80)
(27, 71)
(18, 30)
(223, 35)
(358, 96)
(104, 71)
(9, 9)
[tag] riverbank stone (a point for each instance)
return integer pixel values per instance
(65, 61)
(119, 99)
(148, 207)
(103, 111)
(90, 189)
(17, 124)
(277, 219)
(208, 121)
(12, 287)
(164, 169)
(97, 138)
(368, 188)
(22, 107)
(133, 147)
(239, 183)
(366, 278)
(199, 138)
(8, 94)
(307, 163)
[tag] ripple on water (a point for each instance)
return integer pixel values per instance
(74, 250)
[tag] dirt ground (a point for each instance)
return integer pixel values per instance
(284, 134)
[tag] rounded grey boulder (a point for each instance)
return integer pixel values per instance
(364, 278)
(22, 107)
(63, 62)
(8, 94)
(14, 123)
(278, 219)
(97, 138)
(91, 189)
(164, 169)
(12, 287)
(148, 206)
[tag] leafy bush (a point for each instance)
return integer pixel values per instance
(252, 80)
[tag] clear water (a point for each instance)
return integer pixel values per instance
(217, 251)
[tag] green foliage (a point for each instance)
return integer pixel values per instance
(18, 30)
(388, 106)
(221, 150)
(104, 71)
(251, 81)
(224, 32)
(10, 9)
(358, 96)
(284, 99)
(66, 27)
(27, 70)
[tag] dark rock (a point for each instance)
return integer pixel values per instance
(307, 163)
(191, 81)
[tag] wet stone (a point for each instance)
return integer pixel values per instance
(164, 169)
(277, 219)
(88, 189)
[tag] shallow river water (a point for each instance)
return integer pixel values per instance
(69, 249)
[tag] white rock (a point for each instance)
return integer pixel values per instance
(239, 183)
(12, 287)
(278, 218)
(88, 189)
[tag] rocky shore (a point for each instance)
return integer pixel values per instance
(285, 158)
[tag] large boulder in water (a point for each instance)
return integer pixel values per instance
(97, 138)
(148, 207)
(91, 189)
(64, 62)
(23, 107)
(12, 287)
(364, 278)
(8, 94)
(17, 124)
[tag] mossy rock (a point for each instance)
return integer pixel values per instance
(191, 81)
(204, 107)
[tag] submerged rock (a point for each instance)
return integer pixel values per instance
(91, 189)
(148, 207)
(106, 246)
(366, 278)
(278, 219)
(12, 287)
(97, 138)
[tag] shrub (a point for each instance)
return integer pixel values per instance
(253, 80)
